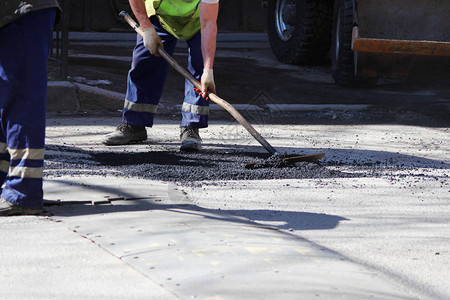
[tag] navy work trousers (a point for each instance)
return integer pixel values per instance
(24, 50)
(146, 80)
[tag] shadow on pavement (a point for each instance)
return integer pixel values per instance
(291, 220)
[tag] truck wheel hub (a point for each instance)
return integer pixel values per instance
(285, 18)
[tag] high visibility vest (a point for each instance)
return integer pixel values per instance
(181, 18)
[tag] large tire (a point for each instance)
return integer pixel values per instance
(343, 58)
(300, 30)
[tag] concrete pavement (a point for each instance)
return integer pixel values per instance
(42, 259)
(122, 237)
(175, 248)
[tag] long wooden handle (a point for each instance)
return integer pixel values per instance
(216, 99)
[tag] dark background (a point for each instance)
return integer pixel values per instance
(103, 15)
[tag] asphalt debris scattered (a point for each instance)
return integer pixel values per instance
(210, 166)
(179, 166)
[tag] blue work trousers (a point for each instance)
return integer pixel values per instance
(24, 50)
(146, 80)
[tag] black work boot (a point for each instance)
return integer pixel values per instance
(126, 134)
(9, 209)
(190, 139)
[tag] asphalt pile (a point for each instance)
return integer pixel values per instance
(178, 166)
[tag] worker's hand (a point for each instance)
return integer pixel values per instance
(152, 40)
(207, 82)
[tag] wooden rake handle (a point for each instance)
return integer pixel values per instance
(216, 99)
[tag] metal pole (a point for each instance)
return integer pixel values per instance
(65, 38)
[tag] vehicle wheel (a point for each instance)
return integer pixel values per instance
(343, 58)
(300, 30)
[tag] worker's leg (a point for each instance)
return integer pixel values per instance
(195, 109)
(146, 80)
(23, 86)
(4, 155)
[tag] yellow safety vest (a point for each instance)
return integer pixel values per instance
(181, 18)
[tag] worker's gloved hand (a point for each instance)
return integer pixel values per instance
(152, 40)
(207, 82)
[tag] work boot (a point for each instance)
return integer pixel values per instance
(126, 134)
(9, 209)
(190, 139)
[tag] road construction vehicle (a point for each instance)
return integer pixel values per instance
(364, 39)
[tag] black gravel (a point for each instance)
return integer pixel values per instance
(178, 166)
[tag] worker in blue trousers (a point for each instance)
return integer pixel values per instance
(25, 39)
(164, 22)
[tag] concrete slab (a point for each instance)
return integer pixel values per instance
(206, 253)
(97, 188)
(41, 259)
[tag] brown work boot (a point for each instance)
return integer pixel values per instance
(190, 139)
(9, 209)
(126, 134)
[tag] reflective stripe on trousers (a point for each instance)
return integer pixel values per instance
(23, 87)
(146, 80)
(24, 163)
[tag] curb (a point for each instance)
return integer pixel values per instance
(64, 96)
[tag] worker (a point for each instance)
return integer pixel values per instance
(163, 23)
(26, 29)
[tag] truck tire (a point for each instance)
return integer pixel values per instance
(343, 58)
(300, 30)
